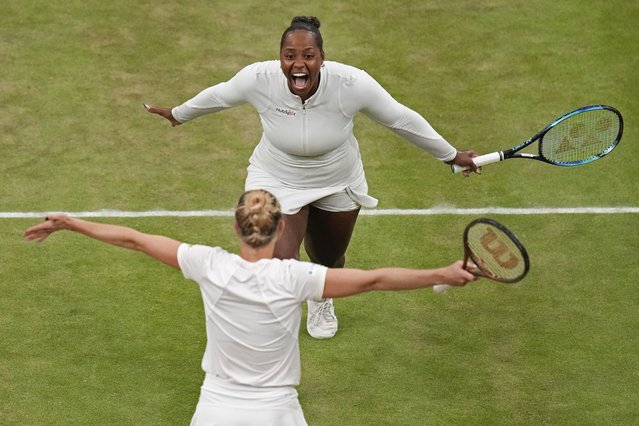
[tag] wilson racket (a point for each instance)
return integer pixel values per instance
(578, 137)
(494, 252)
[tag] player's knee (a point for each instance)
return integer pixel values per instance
(286, 252)
(328, 259)
(339, 262)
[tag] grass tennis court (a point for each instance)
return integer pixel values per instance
(91, 334)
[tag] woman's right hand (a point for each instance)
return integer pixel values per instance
(457, 275)
(163, 112)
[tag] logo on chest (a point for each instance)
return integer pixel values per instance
(285, 111)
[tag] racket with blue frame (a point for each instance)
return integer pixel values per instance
(578, 137)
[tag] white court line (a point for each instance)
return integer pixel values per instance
(373, 212)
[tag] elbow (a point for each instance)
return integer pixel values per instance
(133, 240)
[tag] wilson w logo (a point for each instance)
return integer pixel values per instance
(498, 249)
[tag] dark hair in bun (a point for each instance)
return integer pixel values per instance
(305, 23)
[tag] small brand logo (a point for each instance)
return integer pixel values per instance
(285, 111)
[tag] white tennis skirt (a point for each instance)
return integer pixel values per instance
(338, 198)
(226, 404)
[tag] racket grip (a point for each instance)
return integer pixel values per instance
(441, 288)
(482, 160)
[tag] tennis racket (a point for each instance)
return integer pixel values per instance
(578, 137)
(494, 251)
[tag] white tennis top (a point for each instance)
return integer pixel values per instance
(253, 312)
(310, 145)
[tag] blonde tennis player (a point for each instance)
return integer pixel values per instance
(253, 306)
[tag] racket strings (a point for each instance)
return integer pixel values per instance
(581, 137)
(495, 253)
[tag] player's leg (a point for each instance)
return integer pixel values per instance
(327, 237)
(288, 244)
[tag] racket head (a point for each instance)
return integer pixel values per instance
(581, 136)
(495, 251)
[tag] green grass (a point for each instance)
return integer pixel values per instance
(113, 338)
(91, 334)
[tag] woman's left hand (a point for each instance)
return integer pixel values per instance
(51, 224)
(465, 159)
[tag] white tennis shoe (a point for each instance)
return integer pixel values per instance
(321, 322)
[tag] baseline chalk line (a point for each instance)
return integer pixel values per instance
(365, 212)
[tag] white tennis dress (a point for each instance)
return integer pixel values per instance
(253, 312)
(308, 150)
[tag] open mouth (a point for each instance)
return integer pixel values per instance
(299, 80)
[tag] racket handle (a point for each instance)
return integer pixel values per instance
(482, 160)
(441, 288)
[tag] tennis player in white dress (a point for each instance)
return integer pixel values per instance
(308, 156)
(252, 306)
